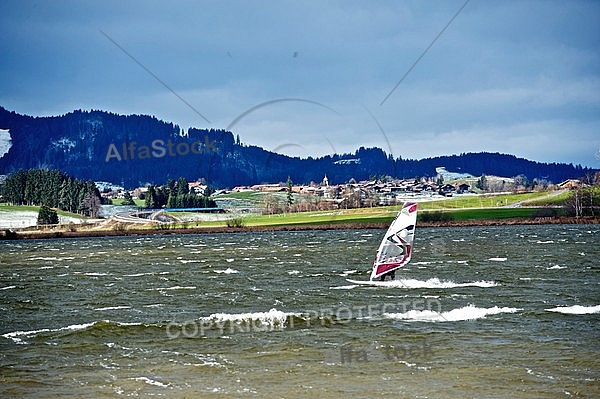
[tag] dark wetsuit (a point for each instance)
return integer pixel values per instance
(392, 275)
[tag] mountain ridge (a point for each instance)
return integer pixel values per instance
(132, 150)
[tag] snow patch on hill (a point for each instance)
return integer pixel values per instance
(5, 142)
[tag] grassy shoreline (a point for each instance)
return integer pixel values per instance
(290, 227)
(486, 210)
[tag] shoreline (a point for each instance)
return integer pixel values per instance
(8, 234)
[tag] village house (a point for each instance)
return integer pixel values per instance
(571, 184)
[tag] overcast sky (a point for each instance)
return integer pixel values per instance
(518, 77)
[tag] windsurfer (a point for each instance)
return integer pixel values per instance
(392, 275)
(395, 249)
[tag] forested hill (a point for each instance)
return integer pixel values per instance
(136, 149)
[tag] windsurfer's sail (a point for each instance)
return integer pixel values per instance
(395, 249)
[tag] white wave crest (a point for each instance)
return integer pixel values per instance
(177, 287)
(114, 308)
(576, 309)
(226, 271)
(344, 287)
(150, 381)
(469, 312)
(17, 336)
(498, 259)
(436, 283)
(273, 318)
(431, 283)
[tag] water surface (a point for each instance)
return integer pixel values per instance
(504, 312)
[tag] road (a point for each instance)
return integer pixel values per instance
(549, 195)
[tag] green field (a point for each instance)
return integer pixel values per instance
(4, 207)
(484, 207)
(481, 201)
(458, 208)
(557, 200)
(463, 201)
(370, 215)
(253, 196)
(18, 208)
(307, 218)
(492, 213)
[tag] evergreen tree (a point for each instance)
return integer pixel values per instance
(14, 188)
(172, 203)
(57, 179)
(127, 199)
(80, 195)
(179, 201)
(170, 187)
(482, 183)
(161, 197)
(150, 198)
(51, 188)
(177, 194)
(208, 191)
(290, 198)
(73, 196)
(182, 186)
(47, 216)
(30, 187)
(63, 195)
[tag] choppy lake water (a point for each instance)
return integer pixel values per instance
(502, 312)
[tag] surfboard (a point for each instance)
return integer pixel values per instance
(373, 282)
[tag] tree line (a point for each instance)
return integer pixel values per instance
(52, 189)
(178, 194)
(77, 143)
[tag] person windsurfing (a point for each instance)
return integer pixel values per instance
(395, 249)
(392, 275)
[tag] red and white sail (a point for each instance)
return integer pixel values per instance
(395, 249)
